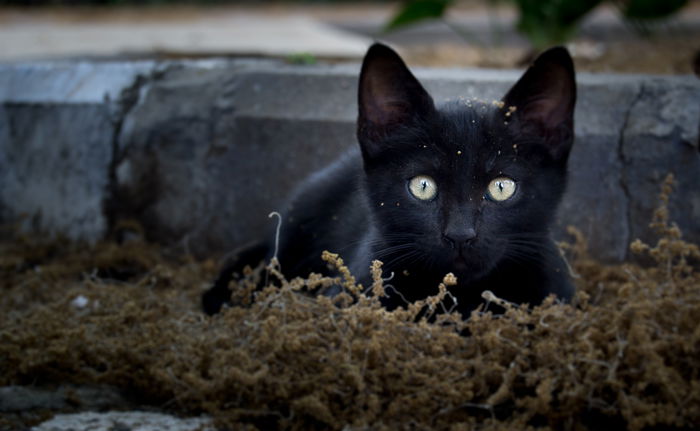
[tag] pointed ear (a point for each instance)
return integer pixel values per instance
(544, 99)
(389, 96)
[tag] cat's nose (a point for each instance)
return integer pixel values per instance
(460, 237)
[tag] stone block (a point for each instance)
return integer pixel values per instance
(57, 130)
(54, 167)
(123, 421)
(201, 151)
(660, 138)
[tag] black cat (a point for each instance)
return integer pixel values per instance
(470, 188)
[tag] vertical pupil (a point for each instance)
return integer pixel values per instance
(424, 185)
(500, 186)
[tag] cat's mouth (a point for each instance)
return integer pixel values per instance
(460, 263)
(469, 264)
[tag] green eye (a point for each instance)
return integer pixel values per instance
(501, 188)
(423, 187)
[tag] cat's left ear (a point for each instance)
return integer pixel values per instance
(389, 98)
(544, 100)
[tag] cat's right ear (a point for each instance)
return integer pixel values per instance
(544, 98)
(389, 96)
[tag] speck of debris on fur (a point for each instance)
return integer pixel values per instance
(623, 355)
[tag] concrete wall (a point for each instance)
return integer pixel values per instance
(200, 152)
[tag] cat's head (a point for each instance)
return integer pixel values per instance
(465, 186)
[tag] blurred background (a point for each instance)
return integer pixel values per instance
(640, 36)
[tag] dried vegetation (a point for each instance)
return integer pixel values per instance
(624, 355)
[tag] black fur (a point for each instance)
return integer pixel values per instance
(361, 206)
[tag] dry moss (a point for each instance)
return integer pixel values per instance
(625, 354)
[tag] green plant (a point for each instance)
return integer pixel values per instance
(550, 22)
(547, 22)
(301, 58)
(640, 14)
(418, 10)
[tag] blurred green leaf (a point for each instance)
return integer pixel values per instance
(418, 10)
(301, 58)
(546, 22)
(550, 22)
(651, 9)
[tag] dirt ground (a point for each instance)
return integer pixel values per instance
(666, 55)
(623, 355)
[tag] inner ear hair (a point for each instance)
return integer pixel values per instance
(546, 93)
(389, 94)
(544, 100)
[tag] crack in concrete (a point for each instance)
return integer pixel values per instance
(623, 165)
(128, 99)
